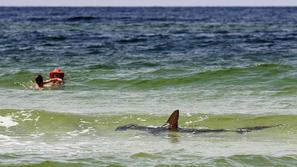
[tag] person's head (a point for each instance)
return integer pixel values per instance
(39, 81)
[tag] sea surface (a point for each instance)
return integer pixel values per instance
(221, 67)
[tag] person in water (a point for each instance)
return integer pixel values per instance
(56, 79)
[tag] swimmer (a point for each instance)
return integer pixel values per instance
(56, 79)
(56, 73)
(57, 76)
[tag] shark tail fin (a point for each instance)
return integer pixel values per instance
(172, 122)
(250, 129)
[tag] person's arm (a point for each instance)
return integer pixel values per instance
(47, 81)
(56, 79)
(53, 80)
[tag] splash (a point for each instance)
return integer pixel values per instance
(7, 122)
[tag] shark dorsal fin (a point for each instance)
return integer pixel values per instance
(172, 122)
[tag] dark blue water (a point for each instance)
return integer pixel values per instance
(165, 36)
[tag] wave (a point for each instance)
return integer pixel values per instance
(159, 160)
(37, 19)
(272, 77)
(102, 67)
(131, 65)
(38, 122)
(81, 18)
(140, 64)
(47, 163)
(253, 75)
(251, 160)
(132, 40)
(55, 38)
(21, 79)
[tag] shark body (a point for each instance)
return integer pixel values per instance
(172, 125)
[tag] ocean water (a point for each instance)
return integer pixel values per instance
(221, 67)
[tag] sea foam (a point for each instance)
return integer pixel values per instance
(7, 121)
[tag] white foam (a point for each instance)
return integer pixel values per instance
(3, 137)
(7, 121)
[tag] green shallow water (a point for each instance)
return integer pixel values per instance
(25, 122)
(261, 77)
(239, 160)
(43, 138)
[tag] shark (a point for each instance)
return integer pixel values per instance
(172, 126)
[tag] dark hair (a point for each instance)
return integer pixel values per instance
(39, 80)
